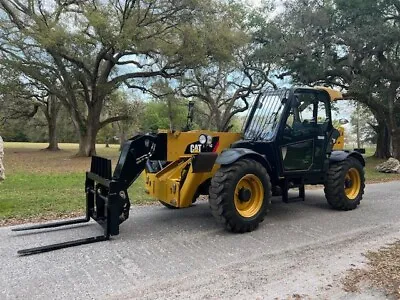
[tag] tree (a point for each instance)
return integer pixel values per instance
(22, 99)
(82, 51)
(225, 86)
(368, 130)
(120, 103)
(51, 107)
(348, 44)
(157, 115)
(363, 125)
(174, 104)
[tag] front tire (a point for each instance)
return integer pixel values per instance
(240, 194)
(345, 183)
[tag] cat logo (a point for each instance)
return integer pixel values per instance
(195, 148)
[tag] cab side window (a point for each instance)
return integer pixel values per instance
(323, 116)
(308, 114)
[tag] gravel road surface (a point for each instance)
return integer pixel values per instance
(302, 249)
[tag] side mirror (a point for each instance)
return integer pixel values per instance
(343, 121)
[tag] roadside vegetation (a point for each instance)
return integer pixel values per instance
(43, 185)
(373, 175)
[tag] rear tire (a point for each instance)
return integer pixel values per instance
(345, 183)
(231, 203)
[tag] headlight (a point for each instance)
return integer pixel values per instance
(202, 139)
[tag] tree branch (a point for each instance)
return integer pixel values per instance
(112, 120)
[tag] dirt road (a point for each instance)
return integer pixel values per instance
(301, 250)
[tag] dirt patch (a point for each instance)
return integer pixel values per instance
(382, 272)
(31, 160)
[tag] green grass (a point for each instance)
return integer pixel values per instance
(27, 196)
(44, 185)
(372, 175)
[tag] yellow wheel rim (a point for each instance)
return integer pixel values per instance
(254, 190)
(352, 183)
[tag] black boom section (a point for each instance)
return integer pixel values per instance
(133, 157)
(107, 200)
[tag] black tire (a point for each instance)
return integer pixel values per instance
(338, 178)
(168, 205)
(222, 195)
(276, 191)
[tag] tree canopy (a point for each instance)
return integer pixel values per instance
(82, 51)
(87, 55)
(352, 45)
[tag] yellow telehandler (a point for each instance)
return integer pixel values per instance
(288, 141)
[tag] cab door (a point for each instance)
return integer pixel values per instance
(304, 132)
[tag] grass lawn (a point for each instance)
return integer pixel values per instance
(372, 175)
(44, 185)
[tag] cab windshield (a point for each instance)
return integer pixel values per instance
(264, 116)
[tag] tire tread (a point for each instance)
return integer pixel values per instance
(222, 184)
(334, 191)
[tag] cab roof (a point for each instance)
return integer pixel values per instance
(333, 94)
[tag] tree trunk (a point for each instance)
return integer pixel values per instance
(122, 139)
(396, 143)
(51, 110)
(87, 142)
(87, 128)
(394, 129)
(121, 134)
(53, 141)
(383, 141)
(219, 123)
(170, 115)
(382, 134)
(87, 132)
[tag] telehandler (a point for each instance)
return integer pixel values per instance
(287, 142)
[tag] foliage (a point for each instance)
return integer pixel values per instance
(224, 86)
(347, 44)
(111, 43)
(364, 124)
(156, 116)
